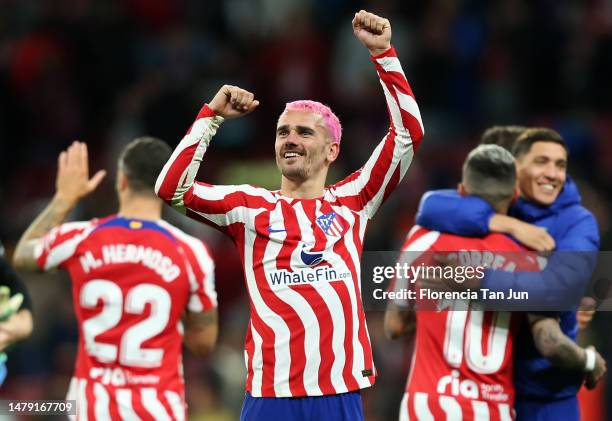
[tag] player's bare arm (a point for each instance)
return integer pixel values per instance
(553, 344)
(399, 322)
(201, 331)
(72, 183)
(529, 235)
(373, 31)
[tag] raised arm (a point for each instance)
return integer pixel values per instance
(176, 183)
(72, 183)
(366, 189)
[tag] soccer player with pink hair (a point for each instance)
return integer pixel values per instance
(307, 349)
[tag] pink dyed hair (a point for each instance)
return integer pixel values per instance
(332, 122)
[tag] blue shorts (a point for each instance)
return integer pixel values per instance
(547, 410)
(341, 407)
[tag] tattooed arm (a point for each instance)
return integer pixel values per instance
(72, 183)
(54, 214)
(552, 343)
(563, 352)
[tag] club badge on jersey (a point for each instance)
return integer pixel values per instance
(330, 224)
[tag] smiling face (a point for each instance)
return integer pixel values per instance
(542, 172)
(303, 147)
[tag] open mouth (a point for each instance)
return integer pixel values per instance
(291, 154)
(547, 187)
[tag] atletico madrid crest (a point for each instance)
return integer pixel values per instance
(330, 224)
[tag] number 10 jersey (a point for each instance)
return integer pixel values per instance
(462, 363)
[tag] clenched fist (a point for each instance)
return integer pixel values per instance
(232, 101)
(373, 31)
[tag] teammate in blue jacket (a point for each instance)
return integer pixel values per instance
(550, 201)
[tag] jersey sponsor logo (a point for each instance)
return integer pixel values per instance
(311, 259)
(452, 384)
(121, 377)
(330, 224)
(284, 277)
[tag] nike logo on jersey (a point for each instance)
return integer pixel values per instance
(271, 230)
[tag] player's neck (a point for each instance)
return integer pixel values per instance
(304, 189)
(501, 208)
(139, 207)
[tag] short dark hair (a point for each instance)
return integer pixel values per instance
(142, 160)
(490, 173)
(530, 136)
(503, 136)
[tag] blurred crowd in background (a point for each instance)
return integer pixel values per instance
(107, 71)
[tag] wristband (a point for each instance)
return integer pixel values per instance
(589, 364)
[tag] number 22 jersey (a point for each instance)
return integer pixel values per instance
(132, 280)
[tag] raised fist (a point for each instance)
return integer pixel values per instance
(232, 101)
(373, 31)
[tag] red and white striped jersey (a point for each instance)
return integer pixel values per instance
(307, 335)
(131, 282)
(462, 362)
